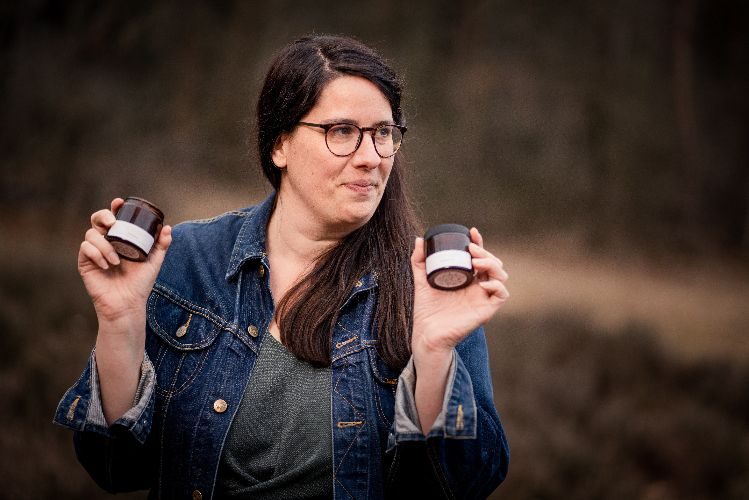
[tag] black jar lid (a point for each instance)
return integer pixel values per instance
(447, 228)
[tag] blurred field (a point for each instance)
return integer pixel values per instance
(614, 378)
(699, 308)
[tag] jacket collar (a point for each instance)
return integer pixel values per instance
(250, 243)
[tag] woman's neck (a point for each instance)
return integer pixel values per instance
(297, 238)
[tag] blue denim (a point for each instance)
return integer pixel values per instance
(206, 317)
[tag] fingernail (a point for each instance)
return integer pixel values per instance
(114, 258)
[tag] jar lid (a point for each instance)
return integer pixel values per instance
(447, 228)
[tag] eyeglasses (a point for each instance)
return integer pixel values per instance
(343, 139)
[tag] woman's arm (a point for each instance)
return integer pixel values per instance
(116, 455)
(442, 319)
(119, 290)
(448, 384)
(111, 405)
(465, 453)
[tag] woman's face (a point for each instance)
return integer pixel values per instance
(339, 193)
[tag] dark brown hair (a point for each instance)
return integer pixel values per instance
(308, 312)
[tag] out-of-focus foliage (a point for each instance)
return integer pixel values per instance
(623, 120)
(621, 125)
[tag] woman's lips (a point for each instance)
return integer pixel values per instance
(362, 187)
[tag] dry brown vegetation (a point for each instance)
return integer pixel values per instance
(619, 378)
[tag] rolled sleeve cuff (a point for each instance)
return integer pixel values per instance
(80, 408)
(457, 420)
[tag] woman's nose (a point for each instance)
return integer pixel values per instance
(366, 154)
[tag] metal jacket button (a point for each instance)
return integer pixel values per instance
(219, 406)
(261, 270)
(197, 495)
(182, 330)
(252, 330)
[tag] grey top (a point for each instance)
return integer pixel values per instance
(318, 409)
(280, 442)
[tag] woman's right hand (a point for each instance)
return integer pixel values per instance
(118, 288)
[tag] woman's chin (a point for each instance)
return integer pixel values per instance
(354, 219)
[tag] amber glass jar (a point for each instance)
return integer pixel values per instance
(136, 228)
(448, 261)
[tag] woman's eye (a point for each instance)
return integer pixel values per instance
(342, 131)
(384, 132)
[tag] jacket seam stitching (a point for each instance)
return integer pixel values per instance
(237, 213)
(358, 431)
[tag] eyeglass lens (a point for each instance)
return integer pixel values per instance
(344, 139)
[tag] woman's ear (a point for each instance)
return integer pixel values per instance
(279, 150)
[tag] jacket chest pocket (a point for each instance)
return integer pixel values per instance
(178, 342)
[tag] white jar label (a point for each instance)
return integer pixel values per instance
(448, 258)
(132, 233)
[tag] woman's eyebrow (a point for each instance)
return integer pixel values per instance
(331, 121)
(349, 121)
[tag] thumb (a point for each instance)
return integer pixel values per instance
(417, 256)
(156, 257)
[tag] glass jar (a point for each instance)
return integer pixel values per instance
(136, 228)
(448, 261)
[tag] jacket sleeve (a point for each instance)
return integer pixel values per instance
(118, 457)
(465, 453)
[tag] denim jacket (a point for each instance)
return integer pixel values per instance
(206, 316)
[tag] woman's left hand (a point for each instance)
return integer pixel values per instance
(443, 318)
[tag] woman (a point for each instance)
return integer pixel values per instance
(368, 382)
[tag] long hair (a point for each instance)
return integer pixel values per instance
(308, 312)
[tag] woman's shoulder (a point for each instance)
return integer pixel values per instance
(227, 221)
(220, 229)
(205, 246)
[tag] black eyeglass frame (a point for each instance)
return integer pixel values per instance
(371, 130)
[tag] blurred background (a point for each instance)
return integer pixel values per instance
(601, 146)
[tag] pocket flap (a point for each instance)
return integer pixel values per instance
(181, 325)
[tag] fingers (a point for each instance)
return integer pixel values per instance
(487, 264)
(496, 289)
(116, 204)
(96, 240)
(476, 237)
(102, 220)
(489, 269)
(95, 247)
(90, 252)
